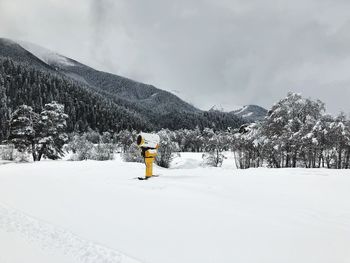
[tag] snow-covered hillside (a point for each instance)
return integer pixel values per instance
(94, 212)
(252, 113)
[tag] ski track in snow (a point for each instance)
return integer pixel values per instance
(48, 236)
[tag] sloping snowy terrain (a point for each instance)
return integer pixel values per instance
(94, 212)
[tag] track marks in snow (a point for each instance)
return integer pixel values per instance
(48, 236)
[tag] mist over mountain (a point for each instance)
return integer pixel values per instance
(86, 93)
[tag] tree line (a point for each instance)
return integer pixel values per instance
(297, 132)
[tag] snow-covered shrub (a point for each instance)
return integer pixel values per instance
(215, 144)
(106, 138)
(7, 152)
(105, 149)
(167, 149)
(102, 152)
(83, 149)
(93, 136)
(189, 140)
(22, 157)
(133, 154)
(80, 147)
(124, 139)
(213, 158)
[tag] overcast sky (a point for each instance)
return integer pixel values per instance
(209, 52)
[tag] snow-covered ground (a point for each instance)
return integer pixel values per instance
(97, 212)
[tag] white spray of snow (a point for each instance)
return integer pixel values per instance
(45, 55)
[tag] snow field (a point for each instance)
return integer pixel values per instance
(97, 212)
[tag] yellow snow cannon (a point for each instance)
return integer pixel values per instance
(149, 143)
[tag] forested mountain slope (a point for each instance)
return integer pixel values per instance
(93, 99)
(14, 51)
(86, 109)
(134, 93)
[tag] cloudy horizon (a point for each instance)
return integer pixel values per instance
(223, 53)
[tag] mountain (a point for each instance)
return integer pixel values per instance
(141, 95)
(24, 79)
(251, 113)
(94, 99)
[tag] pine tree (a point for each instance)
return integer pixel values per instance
(3, 111)
(51, 134)
(22, 131)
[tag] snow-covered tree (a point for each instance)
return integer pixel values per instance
(125, 138)
(289, 122)
(215, 144)
(192, 140)
(133, 154)
(248, 145)
(7, 152)
(22, 133)
(3, 110)
(322, 139)
(93, 136)
(167, 149)
(80, 147)
(339, 135)
(51, 135)
(102, 152)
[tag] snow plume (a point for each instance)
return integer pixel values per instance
(45, 55)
